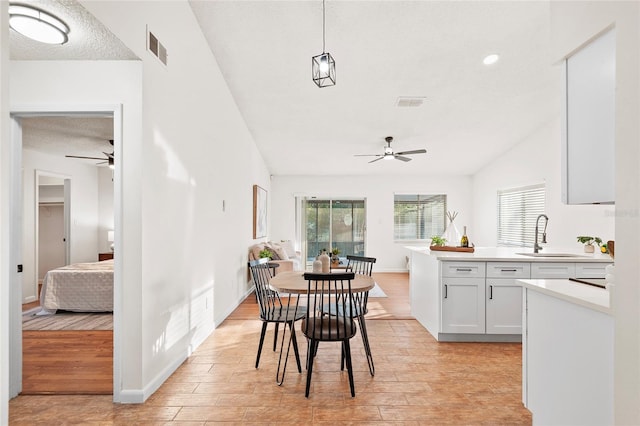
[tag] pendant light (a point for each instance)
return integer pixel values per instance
(37, 24)
(323, 67)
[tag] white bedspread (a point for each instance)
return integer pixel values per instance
(80, 287)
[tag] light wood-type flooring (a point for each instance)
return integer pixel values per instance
(418, 381)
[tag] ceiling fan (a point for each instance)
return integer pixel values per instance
(390, 155)
(108, 160)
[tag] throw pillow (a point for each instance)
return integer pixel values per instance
(289, 248)
(278, 251)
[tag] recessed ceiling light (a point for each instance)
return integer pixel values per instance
(491, 59)
(37, 24)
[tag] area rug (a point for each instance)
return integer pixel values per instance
(67, 321)
(377, 292)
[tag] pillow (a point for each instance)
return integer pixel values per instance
(289, 248)
(256, 249)
(278, 251)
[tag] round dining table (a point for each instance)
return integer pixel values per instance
(293, 282)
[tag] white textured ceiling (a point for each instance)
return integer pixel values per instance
(79, 136)
(88, 38)
(383, 50)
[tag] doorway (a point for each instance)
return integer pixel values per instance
(17, 289)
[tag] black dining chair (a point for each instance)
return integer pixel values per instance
(329, 292)
(271, 307)
(364, 266)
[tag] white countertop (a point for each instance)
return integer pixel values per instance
(589, 296)
(509, 254)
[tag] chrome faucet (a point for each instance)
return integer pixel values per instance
(536, 246)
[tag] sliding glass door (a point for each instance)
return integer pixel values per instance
(329, 224)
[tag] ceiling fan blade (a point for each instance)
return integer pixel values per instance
(109, 155)
(87, 158)
(401, 158)
(367, 155)
(415, 151)
(380, 157)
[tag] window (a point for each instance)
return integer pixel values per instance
(418, 217)
(518, 209)
(332, 224)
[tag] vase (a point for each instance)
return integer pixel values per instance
(451, 234)
(588, 248)
(317, 265)
(324, 259)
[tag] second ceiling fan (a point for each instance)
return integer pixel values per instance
(389, 154)
(109, 159)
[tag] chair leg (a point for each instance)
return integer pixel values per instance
(310, 354)
(275, 337)
(347, 355)
(264, 331)
(365, 342)
(295, 345)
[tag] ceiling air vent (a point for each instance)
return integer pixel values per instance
(410, 101)
(157, 48)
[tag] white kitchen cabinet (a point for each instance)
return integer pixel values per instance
(504, 297)
(541, 270)
(588, 133)
(463, 306)
(591, 270)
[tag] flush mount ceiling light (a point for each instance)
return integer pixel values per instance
(37, 24)
(323, 67)
(491, 59)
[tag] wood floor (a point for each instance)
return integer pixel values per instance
(418, 381)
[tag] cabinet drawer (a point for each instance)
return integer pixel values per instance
(591, 270)
(553, 270)
(463, 269)
(508, 270)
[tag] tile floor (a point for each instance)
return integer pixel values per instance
(418, 381)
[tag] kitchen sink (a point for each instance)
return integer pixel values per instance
(551, 255)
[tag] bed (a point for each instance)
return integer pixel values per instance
(79, 287)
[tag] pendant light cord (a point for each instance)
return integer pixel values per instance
(323, 26)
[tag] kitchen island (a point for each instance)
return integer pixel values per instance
(477, 297)
(567, 353)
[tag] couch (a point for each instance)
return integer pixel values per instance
(282, 252)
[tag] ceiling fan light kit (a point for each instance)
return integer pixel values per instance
(37, 24)
(389, 154)
(323, 66)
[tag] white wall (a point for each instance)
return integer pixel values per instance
(537, 160)
(105, 208)
(84, 212)
(378, 191)
(572, 25)
(196, 152)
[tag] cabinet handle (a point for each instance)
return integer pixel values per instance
(445, 291)
(463, 269)
(508, 270)
(490, 292)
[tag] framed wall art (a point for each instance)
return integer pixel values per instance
(259, 212)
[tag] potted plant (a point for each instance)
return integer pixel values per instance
(265, 253)
(588, 242)
(438, 241)
(334, 255)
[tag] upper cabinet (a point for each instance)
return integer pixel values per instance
(588, 133)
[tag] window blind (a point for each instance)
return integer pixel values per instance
(518, 209)
(418, 217)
